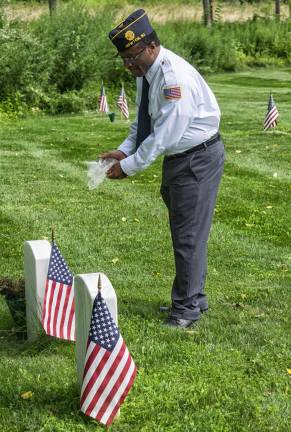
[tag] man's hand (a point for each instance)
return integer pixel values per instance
(113, 154)
(115, 172)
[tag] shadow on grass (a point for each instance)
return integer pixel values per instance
(11, 346)
(61, 402)
(143, 308)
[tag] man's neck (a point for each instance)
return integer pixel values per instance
(154, 66)
(156, 53)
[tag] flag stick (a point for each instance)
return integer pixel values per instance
(99, 282)
(53, 233)
(122, 86)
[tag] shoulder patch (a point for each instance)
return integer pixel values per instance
(172, 92)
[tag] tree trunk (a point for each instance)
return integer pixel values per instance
(206, 12)
(277, 8)
(211, 10)
(52, 6)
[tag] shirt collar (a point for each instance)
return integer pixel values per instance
(154, 67)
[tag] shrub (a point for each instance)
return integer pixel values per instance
(230, 46)
(73, 45)
(22, 60)
(57, 64)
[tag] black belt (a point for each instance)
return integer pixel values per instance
(201, 146)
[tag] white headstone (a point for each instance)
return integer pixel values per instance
(36, 261)
(86, 289)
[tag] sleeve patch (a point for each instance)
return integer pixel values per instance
(172, 92)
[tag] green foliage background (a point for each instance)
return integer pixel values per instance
(57, 64)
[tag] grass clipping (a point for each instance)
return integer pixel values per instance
(96, 171)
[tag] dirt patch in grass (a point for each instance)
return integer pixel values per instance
(14, 292)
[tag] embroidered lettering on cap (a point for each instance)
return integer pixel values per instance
(135, 40)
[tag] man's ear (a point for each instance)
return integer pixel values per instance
(152, 45)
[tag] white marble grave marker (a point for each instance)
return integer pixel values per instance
(36, 261)
(86, 289)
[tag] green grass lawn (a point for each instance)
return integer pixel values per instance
(229, 373)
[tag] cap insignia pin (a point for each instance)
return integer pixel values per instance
(129, 35)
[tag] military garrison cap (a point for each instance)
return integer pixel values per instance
(131, 31)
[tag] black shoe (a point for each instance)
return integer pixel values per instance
(180, 322)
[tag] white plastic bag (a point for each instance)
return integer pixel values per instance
(96, 171)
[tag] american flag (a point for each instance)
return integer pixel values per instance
(122, 103)
(103, 105)
(109, 370)
(272, 114)
(58, 317)
(172, 92)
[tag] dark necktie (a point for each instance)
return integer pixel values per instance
(144, 119)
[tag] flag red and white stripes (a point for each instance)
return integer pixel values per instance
(122, 103)
(271, 119)
(58, 317)
(172, 92)
(103, 105)
(109, 370)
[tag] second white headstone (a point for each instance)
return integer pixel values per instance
(86, 289)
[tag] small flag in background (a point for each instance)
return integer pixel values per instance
(122, 103)
(103, 105)
(109, 370)
(58, 318)
(272, 114)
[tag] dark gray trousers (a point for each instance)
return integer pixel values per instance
(189, 189)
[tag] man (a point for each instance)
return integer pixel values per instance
(178, 116)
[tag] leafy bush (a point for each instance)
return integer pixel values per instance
(75, 47)
(22, 60)
(230, 46)
(57, 64)
(51, 57)
(67, 102)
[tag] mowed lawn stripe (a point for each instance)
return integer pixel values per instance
(229, 373)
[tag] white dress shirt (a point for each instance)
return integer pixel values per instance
(177, 124)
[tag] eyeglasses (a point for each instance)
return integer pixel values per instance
(132, 59)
